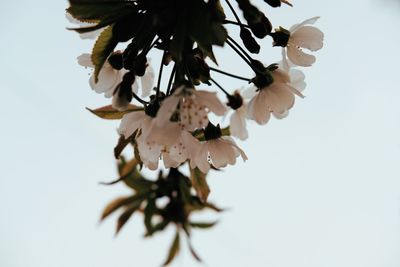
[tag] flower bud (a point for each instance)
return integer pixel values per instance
(249, 42)
(235, 101)
(281, 37)
(262, 28)
(212, 131)
(123, 93)
(116, 60)
(273, 3)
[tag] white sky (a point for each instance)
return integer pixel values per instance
(321, 188)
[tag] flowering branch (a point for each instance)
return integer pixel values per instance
(171, 126)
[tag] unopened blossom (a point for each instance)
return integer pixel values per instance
(194, 106)
(276, 98)
(109, 78)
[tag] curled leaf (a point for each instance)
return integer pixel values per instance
(199, 183)
(173, 251)
(110, 113)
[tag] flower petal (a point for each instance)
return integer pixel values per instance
(85, 60)
(168, 107)
(130, 123)
(299, 58)
(147, 81)
(306, 22)
(258, 110)
(308, 37)
(211, 101)
(238, 124)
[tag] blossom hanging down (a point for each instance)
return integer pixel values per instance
(276, 98)
(112, 75)
(217, 150)
(298, 37)
(194, 105)
(237, 122)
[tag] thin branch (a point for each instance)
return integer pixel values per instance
(230, 75)
(220, 87)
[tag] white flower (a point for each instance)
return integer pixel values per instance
(276, 98)
(302, 36)
(219, 152)
(237, 123)
(87, 35)
(194, 105)
(149, 150)
(109, 78)
(297, 77)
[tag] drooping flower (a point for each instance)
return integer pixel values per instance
(142, 124)
(237, 122)
(298, 37)
(276, 98)
(217, 150)
(194, 105)
(109, 78)
(302, 36)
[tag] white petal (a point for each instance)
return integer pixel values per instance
(201, 159)
(238, 124)
(211, 101)
(239, 150)
(192, 146)
(130, 123)
(85, 60)
(300, 58)
(258, 110)
(308, 37)
(280, 76)
(108, 79)
(297, 79)
(147, 81)
(279, 97)
(306, 22)
(168, 107)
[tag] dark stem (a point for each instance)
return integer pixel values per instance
(230, 75)
(240, 48)
(226, 21)
(171, 78)
(160, 75)
(243, 57)
(139, 99)
(234, 12)
(220, 87)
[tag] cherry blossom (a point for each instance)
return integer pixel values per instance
(304, 36)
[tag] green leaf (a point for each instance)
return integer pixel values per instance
(109, 113)
(173, 251)
(158, 227)
(103, 47)
(209, 31)
(125, 216)
(122, 143)
(118, 203)
(100, 10)
(199, 183)
(202, 225)
(148, 214)
(133, 178)
(193, 252)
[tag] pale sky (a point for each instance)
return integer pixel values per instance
(321, 188)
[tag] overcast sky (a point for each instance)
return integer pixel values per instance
(321, 187)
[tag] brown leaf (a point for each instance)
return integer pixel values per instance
(199, 183)
(122, 143)
(113, 206)
(109, 113)
(173, 251)
(124, 217)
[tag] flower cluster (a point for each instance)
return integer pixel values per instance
(178, 123)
